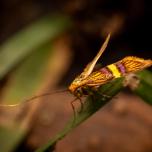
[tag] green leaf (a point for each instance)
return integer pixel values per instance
(91, 105)
(16, 48)
(32, 48)
(28, 77)
(144, 87)
(97, 100)
(146, 76)
(9, 138)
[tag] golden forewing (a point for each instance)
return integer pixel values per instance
(134, 64)
(98, 78)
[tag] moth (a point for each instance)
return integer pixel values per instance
(92, 79)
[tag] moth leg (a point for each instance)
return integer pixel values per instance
(74, 110)
(81, 104)
(90, 92)
(104, 95)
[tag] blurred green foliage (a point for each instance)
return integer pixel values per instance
(27, 53)
(16, 48)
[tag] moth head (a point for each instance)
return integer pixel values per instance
(75, 86)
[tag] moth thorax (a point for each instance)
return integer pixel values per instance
(133, 64)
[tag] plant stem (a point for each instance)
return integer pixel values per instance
(91, 105)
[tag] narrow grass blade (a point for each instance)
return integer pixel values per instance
(16, 48)
(144, 87)
(32, 48)
(91, 105)
(10, 138)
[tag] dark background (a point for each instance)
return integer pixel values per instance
(129, 21)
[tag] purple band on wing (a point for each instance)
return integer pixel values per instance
(121, 68)
(104, 70)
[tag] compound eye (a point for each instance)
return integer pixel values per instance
(79, 92)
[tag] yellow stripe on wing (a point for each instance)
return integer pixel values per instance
(113, 68)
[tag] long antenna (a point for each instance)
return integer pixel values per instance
(91, 65)
(33, 98)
